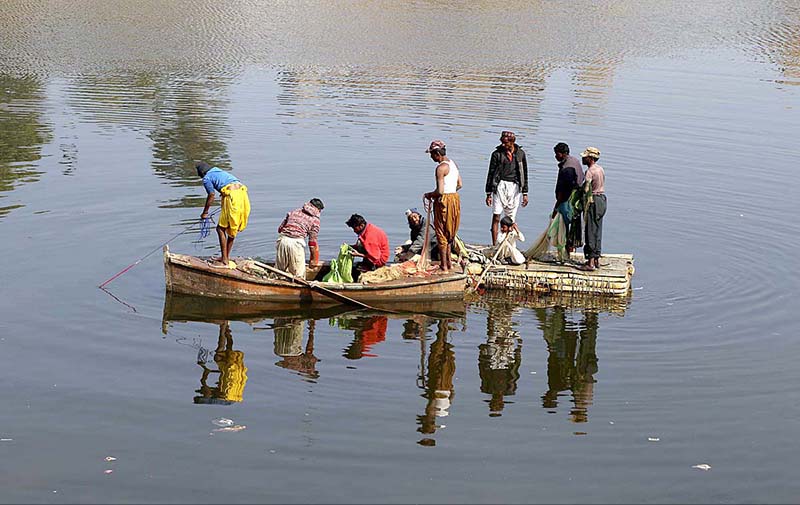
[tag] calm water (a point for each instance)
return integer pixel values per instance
(104, 105)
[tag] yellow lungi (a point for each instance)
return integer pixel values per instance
(446, 217)
(235, 209)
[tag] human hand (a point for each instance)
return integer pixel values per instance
(489, 201)
(524, 200)
(204, 215)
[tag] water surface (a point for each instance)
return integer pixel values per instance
(105, 105)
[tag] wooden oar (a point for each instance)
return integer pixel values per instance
(316, 287)
(489, 265)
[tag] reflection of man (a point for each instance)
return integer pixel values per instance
(289, 345)
(299, 225)
(499, 358)
(417, 226)
(564, 370)
(368, 332)
(439, 385)
(507, 180)
(231, 369)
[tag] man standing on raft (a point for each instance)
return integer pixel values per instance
(446, 202)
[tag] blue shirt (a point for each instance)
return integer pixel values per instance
(217, 179)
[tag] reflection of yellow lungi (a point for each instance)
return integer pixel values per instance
(235, 208)
(233, 374)
(446, 217)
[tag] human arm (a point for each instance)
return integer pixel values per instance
(524, 179)
(490, 178)
(209, 201)
(442, 170)
(313, 248)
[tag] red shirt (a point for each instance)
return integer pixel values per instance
(376, 245)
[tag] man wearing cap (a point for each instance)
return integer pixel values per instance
(299, 225)
(507, 180)
(595, 181)
(446, 202)
(417, 226)
(570, 177)
(372, 245)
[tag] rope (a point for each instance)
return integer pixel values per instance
(101, 286)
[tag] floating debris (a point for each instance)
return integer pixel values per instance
(611, 422)
(238, 427)
(222, 421)
(110, 458)
(6, 439)
(702, 466)
(653, 439)
(108, 472)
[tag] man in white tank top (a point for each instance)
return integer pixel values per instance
(446, 202)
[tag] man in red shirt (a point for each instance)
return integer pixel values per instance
(372, 245)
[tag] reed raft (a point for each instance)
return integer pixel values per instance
(612, 278)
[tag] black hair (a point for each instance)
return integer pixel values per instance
(439, 150)
(561, 148)
(507, 221)
(202, 168)
(316, 202)
(355, 220)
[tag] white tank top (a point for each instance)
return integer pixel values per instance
(451, 179)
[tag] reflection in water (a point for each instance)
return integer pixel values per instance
(567, 371)
(412, 96)
(499, 357)
(22, 133)
(368, 332)
(231, 372)
(289, 346)
(185, 118)
(437, 384)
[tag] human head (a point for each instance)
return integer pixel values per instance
(562, 151)
(316, 202)
(590, 155)
(202, 168)
(506, 223)
(357, 223)
(508, 139)
(437, 150)
(414, 217)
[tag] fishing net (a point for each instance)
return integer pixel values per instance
(341, 267)
(424, 261)
(554, 235)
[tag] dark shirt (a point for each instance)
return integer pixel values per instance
(501, 168)
(570, 176)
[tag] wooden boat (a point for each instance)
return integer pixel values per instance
(191, 275)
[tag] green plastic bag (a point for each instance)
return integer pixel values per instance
(341, 267)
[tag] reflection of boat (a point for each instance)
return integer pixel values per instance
(182, 307)
(191, 275)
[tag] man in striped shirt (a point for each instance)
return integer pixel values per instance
(299, 225)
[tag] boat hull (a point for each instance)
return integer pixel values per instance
(190, 275)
